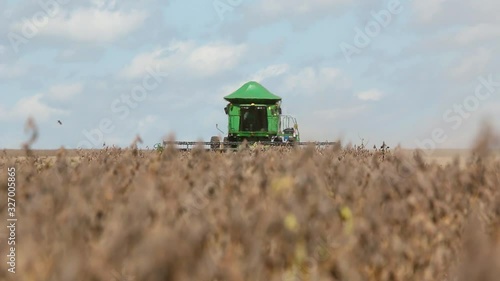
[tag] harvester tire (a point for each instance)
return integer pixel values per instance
(215, 143)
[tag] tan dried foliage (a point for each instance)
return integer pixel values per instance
(342, 213)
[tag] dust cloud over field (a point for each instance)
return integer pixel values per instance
(343, 213)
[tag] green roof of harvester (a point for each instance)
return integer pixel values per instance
(252, 92)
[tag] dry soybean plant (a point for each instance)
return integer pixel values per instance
(340, 213)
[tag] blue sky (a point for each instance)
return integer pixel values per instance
(404, 72)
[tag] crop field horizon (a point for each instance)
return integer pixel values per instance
(340, 213)
(233, 140)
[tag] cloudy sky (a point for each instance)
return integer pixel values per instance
(416, 73)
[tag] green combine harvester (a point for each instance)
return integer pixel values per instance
(254, 116)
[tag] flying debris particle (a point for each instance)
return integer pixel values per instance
(30, 127)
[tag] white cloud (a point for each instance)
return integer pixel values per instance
(470, 65)
(31, 106)
(146, 122)
(445, 13)
(427, 10)
(12, 71)
(67, 53)
(64, 92)
(478, 33)
(3, 113)
(211, 59)
(287, 8)
(340, 113)
(140, 64)
(187, 58)
(270, 71)
(102, 4)
(90, 25)
(253, 15)
(370, 95)
(310, 81)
